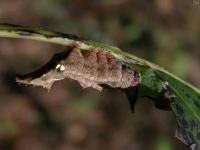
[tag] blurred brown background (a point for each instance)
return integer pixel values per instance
(69, 118)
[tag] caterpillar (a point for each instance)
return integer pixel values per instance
(91, 68)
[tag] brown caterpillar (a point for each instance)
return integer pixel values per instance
(91, 68)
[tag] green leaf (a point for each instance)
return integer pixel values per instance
(186, 108)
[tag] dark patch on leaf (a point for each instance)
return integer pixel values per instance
(179, 122)
(69, 36)
(28, 31)
(25, 32)
(187, 95)
(11, 25)
(185, 136)
(198, 135)
(179, 109)
(182, 135)
(197, 104)
(190, 136)
(192, 125)
(184, 123)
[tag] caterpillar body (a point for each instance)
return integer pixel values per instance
(91, 68)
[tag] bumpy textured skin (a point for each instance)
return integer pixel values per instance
(93, 68)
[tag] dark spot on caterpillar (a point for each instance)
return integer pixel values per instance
(197, 104)
(179, 109)
(192, 125)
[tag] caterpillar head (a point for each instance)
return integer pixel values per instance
(47, 74)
